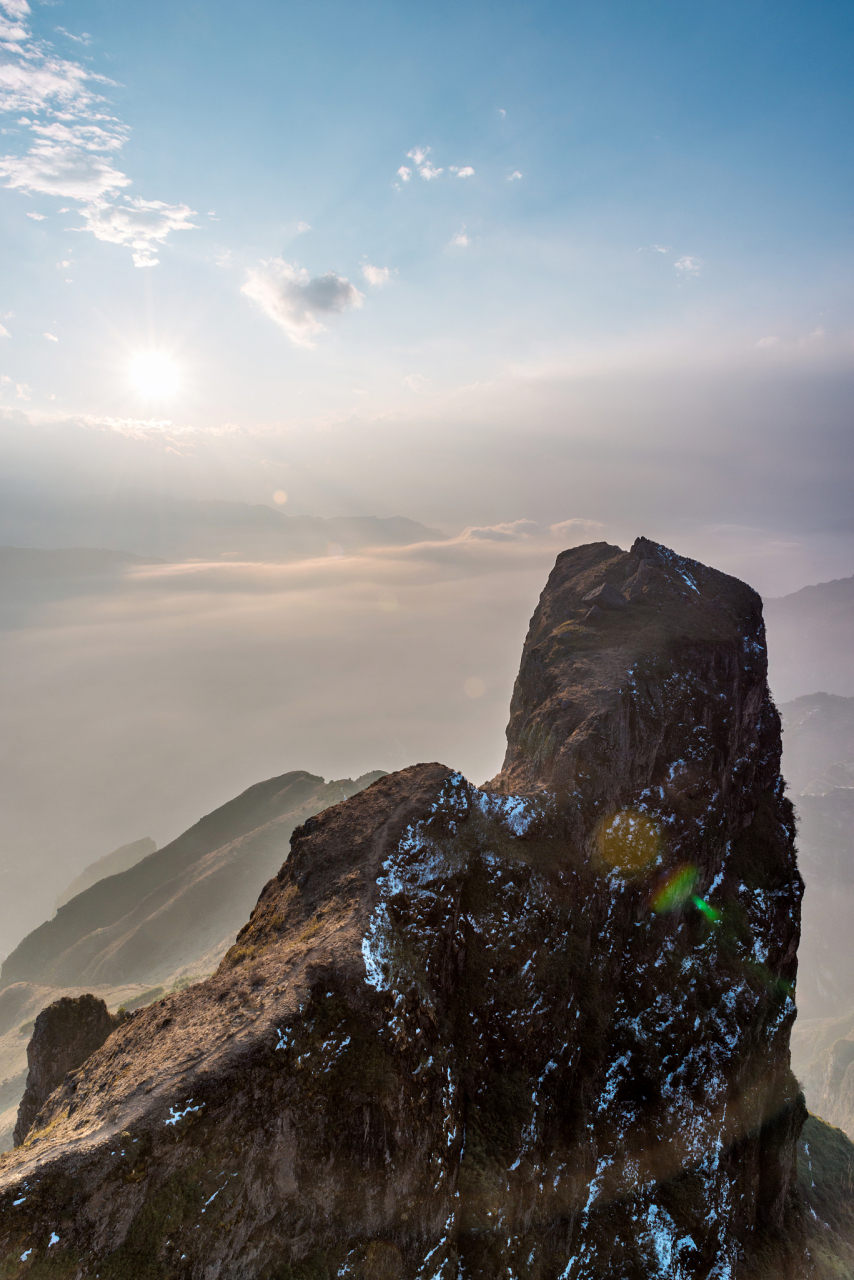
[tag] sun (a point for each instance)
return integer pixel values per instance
(155, 375)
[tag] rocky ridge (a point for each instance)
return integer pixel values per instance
(536, 1030)
(161, 922)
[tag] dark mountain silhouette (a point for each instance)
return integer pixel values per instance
(539, 1029)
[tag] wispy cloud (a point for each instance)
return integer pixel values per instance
(303, 226)
(4, 332)
(73, 141)
(16, 8)
(51, 337)
(377, 276)
(514, 176)
(292, 298)
(83, 38)
(62, 170)
(467, 172)
(688, 266)
(404, 173)
(526, 530)
(460, 239)
(11, 33)
(141, 225)
(425, 167)
(510, 531)
(37, 217)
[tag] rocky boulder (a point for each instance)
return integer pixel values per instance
(65, 1034)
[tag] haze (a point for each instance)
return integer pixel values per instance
(528, 276)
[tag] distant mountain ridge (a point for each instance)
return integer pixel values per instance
(181, 905)
(121, 859)
(818, 750)
(157, 525)
(811, 640)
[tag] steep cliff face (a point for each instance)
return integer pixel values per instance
(537, 1030)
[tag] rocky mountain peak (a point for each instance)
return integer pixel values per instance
(538, 1029)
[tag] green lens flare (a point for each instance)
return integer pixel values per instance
(676, 891)
(711, 913)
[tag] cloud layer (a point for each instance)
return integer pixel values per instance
(73, 142)
(292, 298)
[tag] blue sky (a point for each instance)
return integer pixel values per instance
(351, 232)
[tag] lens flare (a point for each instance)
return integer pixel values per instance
(628, 841)
(677, 889)
(711, 913)
(155, 375)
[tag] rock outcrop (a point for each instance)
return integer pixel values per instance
(66, 1033)
(535, 1030)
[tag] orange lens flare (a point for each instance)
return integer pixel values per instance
(628, 841)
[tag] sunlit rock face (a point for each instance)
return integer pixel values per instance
(536, 1030)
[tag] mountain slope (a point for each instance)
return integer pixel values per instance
(826, 1183)
(818, 752)
(810, 640)
(181, 905)
(127, 855)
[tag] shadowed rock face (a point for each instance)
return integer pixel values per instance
(66, 1033)
(537, 1030)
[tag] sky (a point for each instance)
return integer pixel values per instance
(494, 267)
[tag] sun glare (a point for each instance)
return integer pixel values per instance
(154, 375)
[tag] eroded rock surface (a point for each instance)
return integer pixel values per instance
(538, 1030)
